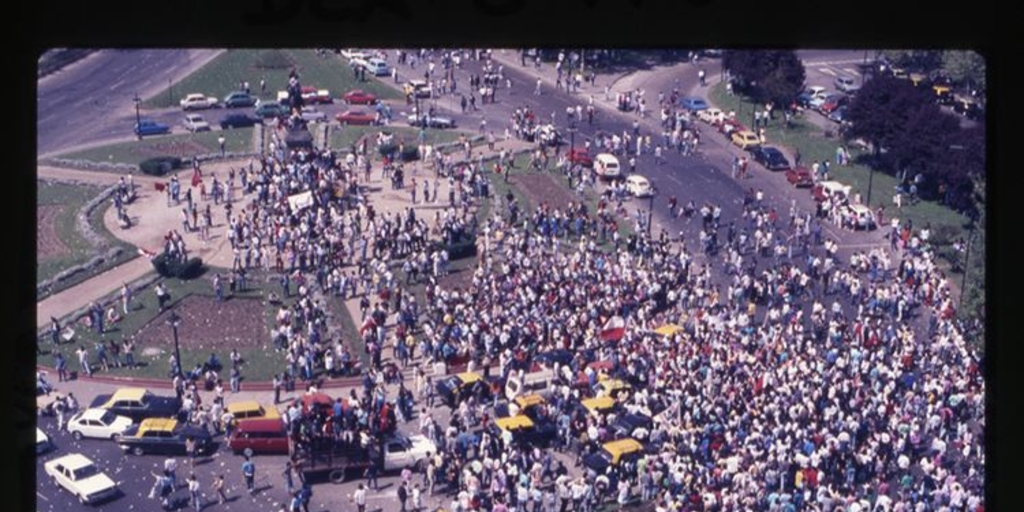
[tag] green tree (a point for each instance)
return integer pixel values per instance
(881, 111)
(775, 75)
(916, 60)
(964, 67)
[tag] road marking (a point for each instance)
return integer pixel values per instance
(41, 496)
(834, 62)
(389, 494)
(851, 71)
(827, 71)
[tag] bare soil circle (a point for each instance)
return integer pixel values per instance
(48, 244)
(207, 324)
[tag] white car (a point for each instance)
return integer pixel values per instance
(639, 186)
(378, 67)
(846, 84)
(606, 165)
(196, 101)
(98, 423)
(79, 476)
(312, 114)
(42, 441)
(196, 123)
(711, 115)
(408, 452)
(352, 53)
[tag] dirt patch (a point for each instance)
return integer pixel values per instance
(542, 188)
(48, 244)
(207, 324)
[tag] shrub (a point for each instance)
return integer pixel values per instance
(409, 153)
(169, 267)
(161, 165)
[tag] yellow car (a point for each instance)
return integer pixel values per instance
(251, 409)
(599, 406)
(613, 388)
(745, 139)
(614, 453)
(163, 436)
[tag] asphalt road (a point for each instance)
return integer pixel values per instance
(92, 100)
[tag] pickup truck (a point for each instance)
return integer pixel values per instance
(196, 101)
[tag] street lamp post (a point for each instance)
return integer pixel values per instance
(138, 117)
(173, 321)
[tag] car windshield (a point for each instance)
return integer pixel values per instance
(107, 418)
(85, 472)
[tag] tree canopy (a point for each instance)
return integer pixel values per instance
(882, 110)
(965, 67)
(775, 75)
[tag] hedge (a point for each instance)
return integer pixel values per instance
(158, 166)
(168, 267)
(409, 153)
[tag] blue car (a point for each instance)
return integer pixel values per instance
(693, 104)
(149, 127)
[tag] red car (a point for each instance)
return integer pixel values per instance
(799, 177)
(313, 95)
(832, 102)
(264, 436)
(358, 97)
(581, 156)
(355, 117)
(728, 126)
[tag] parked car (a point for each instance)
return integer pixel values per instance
(418, 88)
(271, 110)
(431, 121)
(312, 114)
(251, 409)
(401, 451)
(377, 67)
(630, 424)
(614, 453)
(312, 95)
(846, 84)
(614, 388)
(524, 431)
(832, 102)
(639, 186)
(606, 165)
(770, 157)
(239, 99)
(359, 97)
(138, 404)
(728, 125)
(838, 115)
(815, 92)
(147, 127)
(360, 117)
(97, 423)
(456, 388)
(196, 123)
(693, 104)
(580, 156)
(816, 102)
(825, 189)
(967, 107)
(259, 436)
(237, 121)
(712, 116)
(863, 217)
(799, 177)
(196, 101)
(43, 443)
(164, 436)
(78, 475)
(354, 53)
(745, 139)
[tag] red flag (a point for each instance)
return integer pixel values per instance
(614, 329)
(369, 323)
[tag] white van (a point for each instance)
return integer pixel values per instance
(379, 67)
(520, 383)
(606, 165)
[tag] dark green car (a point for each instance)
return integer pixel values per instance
(269, 110)
(239, 99)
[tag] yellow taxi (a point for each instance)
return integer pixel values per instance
(599, 406)
(522, 429)
(163, 436)
(745, 139)
(614, 388)
(614, 453)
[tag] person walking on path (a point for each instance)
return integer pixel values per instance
(359, 497)
(219, 487)
(126, 298)
(249, 473)
(61, 365)
(161, 295)
(403, 496)
(195, 497)
(236, 380)
(287, 474)
(83, 360)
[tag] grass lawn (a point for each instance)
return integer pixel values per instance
(810, 140)
(343, 137)
(72, 198)
(223, 74)
(261, 361)
(183, 145)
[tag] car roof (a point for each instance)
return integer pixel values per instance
(157, 424)
(245, 405)
(469, 377)
(606, 157)
(620, 447)
(530, 400)
(128, 394)
(73, 461)
(514, 422)
(600, 403)
(93, 414)
(613, 384)
(260, 425)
